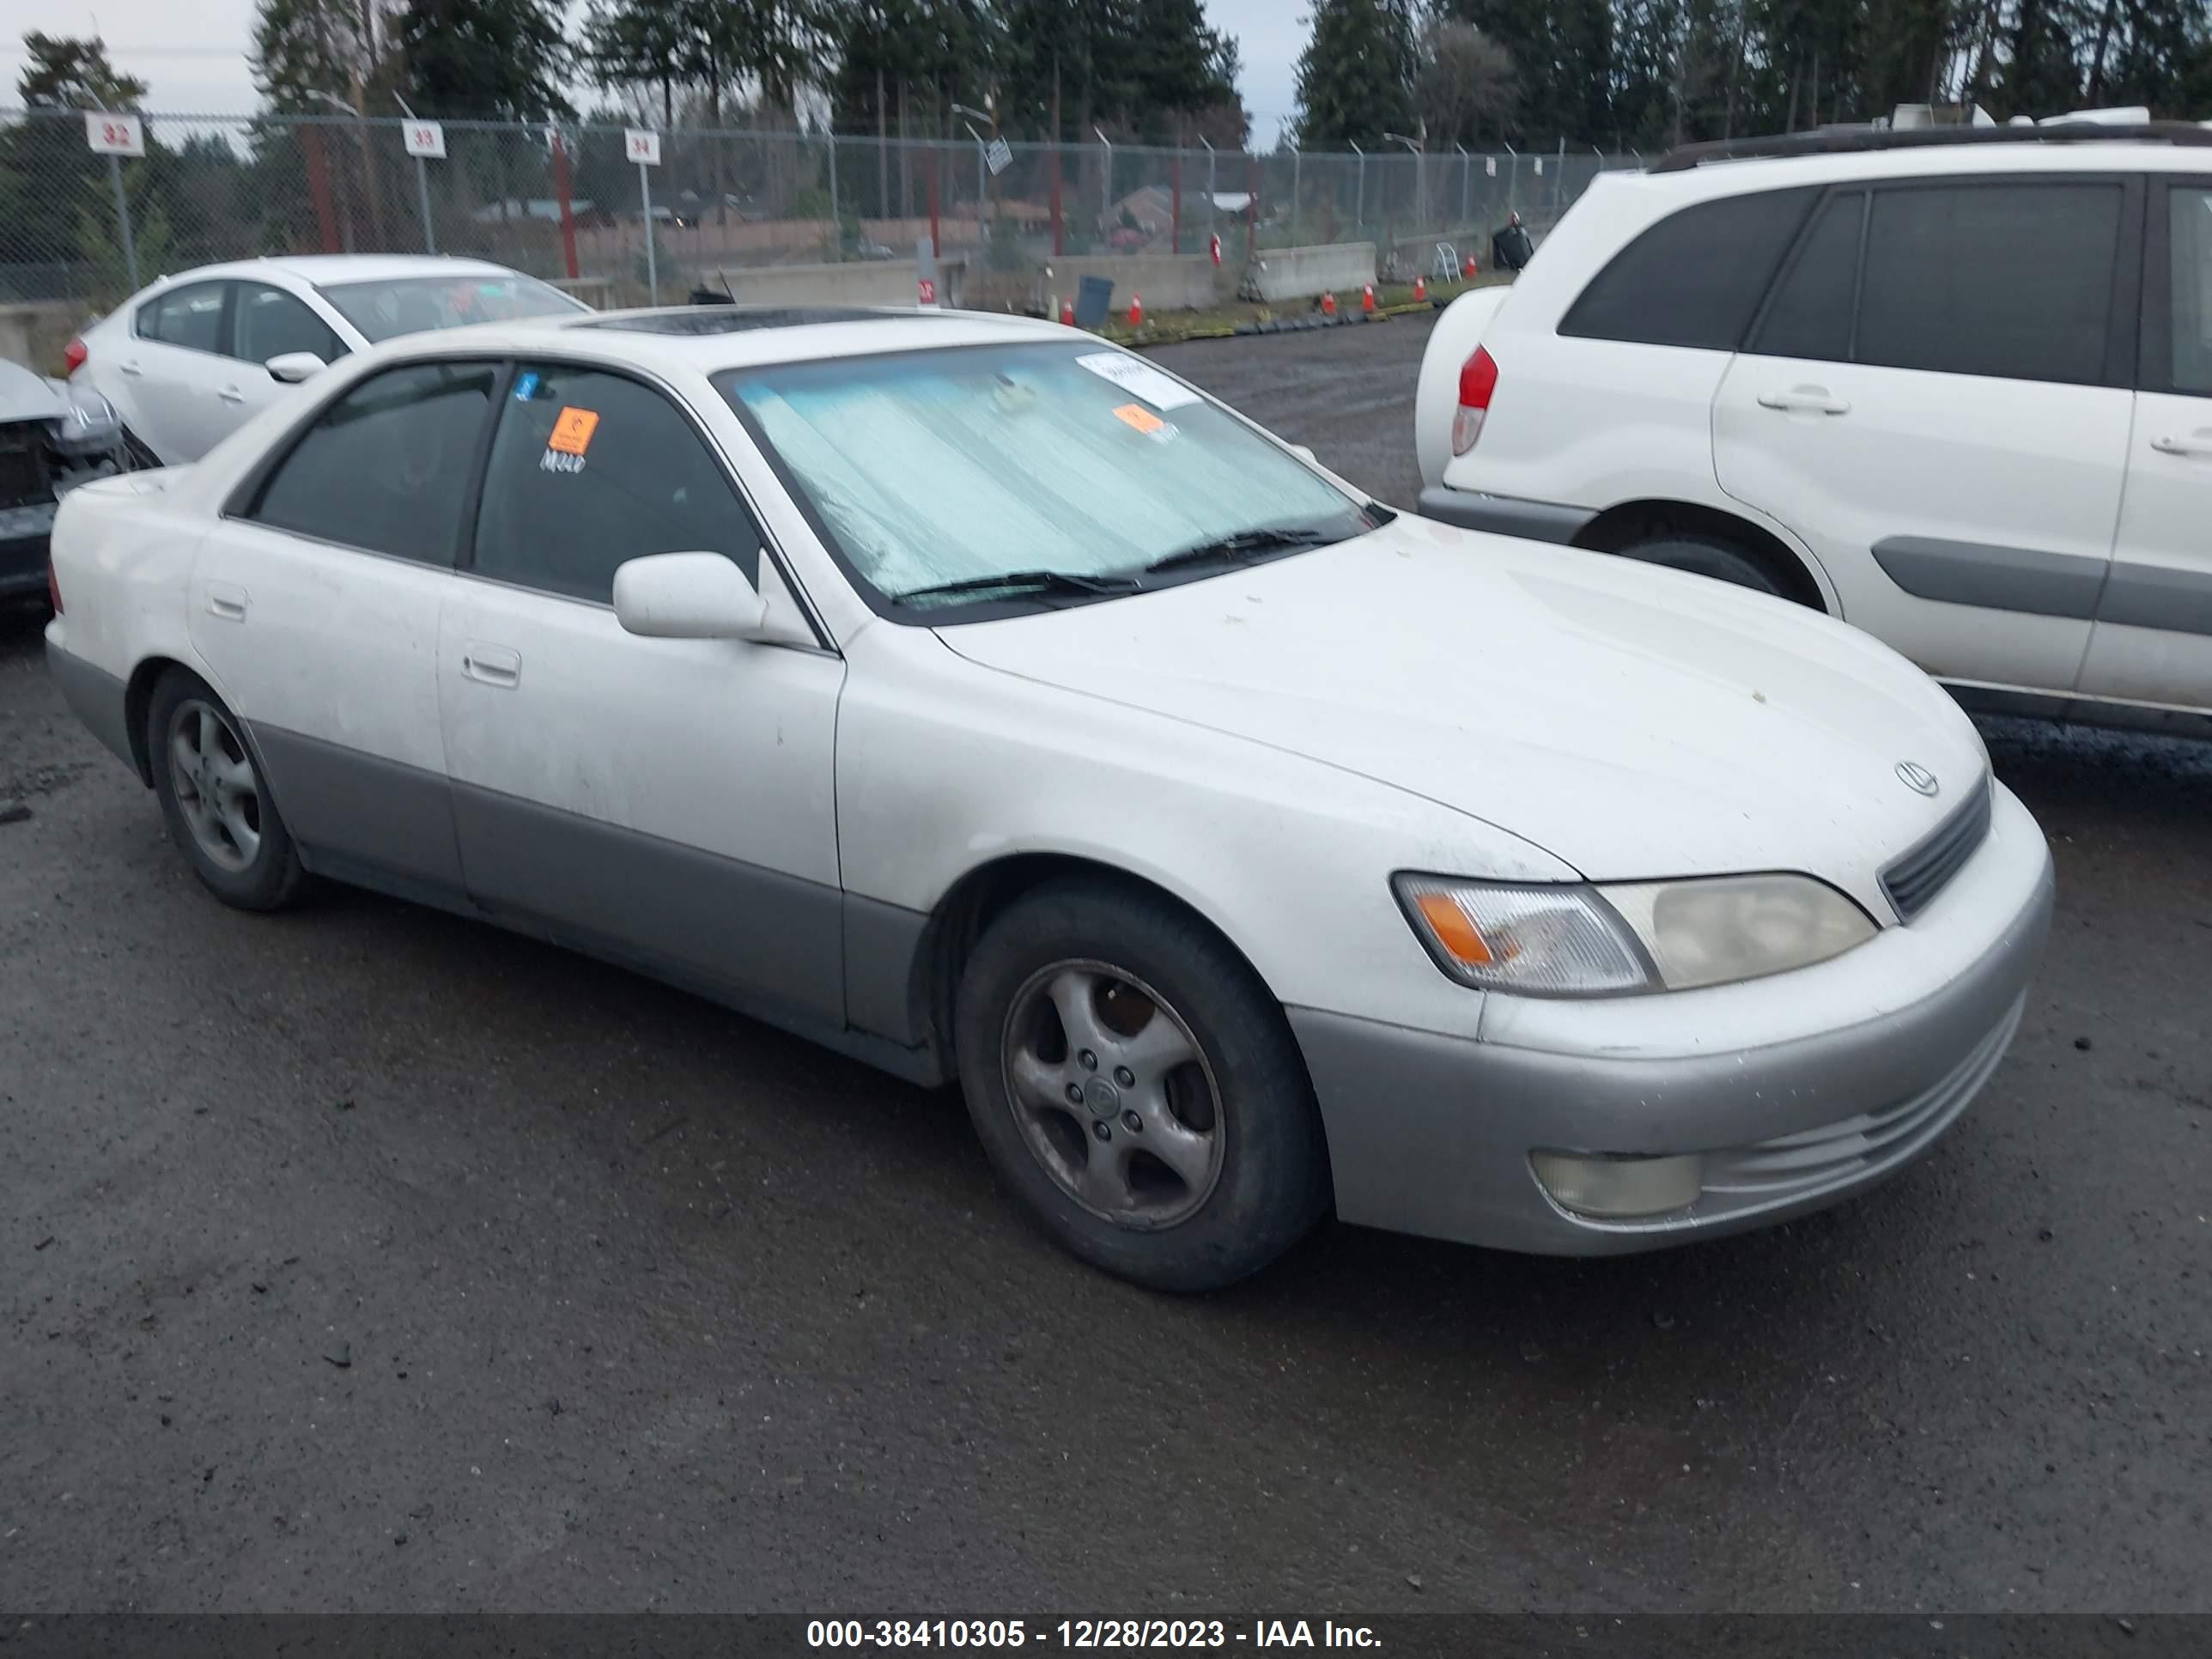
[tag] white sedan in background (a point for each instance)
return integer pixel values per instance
(993, 706)
(190, 360)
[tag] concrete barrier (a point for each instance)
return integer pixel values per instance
(36, 332)
(1299, 273)
(856, 283)
(1181, 282)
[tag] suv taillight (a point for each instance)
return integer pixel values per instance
(75, 355)
(1478, 380)
(53, 588)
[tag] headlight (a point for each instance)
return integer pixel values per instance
(1583, 941)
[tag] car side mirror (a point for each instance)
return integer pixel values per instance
(290, 367)
(687, 596)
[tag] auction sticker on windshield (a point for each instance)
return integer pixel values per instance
(1142, 378)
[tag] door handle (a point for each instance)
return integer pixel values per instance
(231, 394)
(227, 600)
(2196, 443)
(491, 665)
(132, 370)
(1805, 400)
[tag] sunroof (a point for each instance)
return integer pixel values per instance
(742, 320)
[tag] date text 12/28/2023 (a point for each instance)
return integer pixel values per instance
(1086, 1634)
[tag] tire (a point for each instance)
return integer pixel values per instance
(1706, 555)
(1235, 1170)
(214, 799)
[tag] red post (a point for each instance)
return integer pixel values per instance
(1175, 236)
(318, 187)
(560, 188)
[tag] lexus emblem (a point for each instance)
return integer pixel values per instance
(1918, 778)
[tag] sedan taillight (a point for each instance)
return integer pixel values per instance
(1478, 381)
(74, 356)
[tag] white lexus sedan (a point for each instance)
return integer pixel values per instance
(193, 357)
(992, 705)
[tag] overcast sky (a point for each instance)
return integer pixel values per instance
(193, 55)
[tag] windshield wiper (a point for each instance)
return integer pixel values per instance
(1227, 549)
(1025, 581)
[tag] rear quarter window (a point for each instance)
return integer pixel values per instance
(1695, 278)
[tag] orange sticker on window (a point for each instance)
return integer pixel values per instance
(572, 432)
(1142, 419)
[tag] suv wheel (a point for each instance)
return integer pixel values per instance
(1705, 556)
(1138, 1088)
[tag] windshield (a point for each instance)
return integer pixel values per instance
(940, 470)
(415, 305)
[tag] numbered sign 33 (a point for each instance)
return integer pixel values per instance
(114, 135)
(426, 138)
(641, 148)
(928, 288)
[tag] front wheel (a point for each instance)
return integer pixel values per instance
(1138, 1088)
(214, 799)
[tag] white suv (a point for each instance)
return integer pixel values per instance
(1954, 387)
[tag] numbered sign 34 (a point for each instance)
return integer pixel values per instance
(927, 287)
(114, 135)
(426, 138)
(641, 148)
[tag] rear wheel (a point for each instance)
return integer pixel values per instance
(212, 796)
(1138, 1088)
(1706, 555)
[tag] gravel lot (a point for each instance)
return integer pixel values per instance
(364, 1258)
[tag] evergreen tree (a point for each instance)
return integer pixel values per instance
(1356, 76)
(500, 58)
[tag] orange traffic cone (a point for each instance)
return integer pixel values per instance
(1067, 314)
(1367, 298)
(1420, 289)
(1136, 310)
(1329, 305)
(1470, 267)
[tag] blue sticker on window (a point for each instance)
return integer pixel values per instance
(525, 384)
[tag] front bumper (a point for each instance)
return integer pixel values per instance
(1504, 515)
(1799, 1090)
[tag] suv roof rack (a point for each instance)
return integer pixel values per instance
(1837, 141)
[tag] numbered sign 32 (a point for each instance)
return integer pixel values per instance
(114, 135)
(641, 148)
(426, 138)
(927, 286)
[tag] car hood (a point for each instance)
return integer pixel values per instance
(25, 396)
(1634, 722)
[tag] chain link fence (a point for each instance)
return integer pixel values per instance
(566, 204)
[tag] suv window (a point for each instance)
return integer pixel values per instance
(1996, 278)
(387, 467)
(2189, 229)
(190, 317)
(1810, 315)
(268, 322)
(589, 470)
(1694, 278)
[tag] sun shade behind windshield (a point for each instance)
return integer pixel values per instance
(415, 305)
(941, 466)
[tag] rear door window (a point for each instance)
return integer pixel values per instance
(1810, 314)
(2009, 280)
(387, 466)
(190, 317)
(1694, 278)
